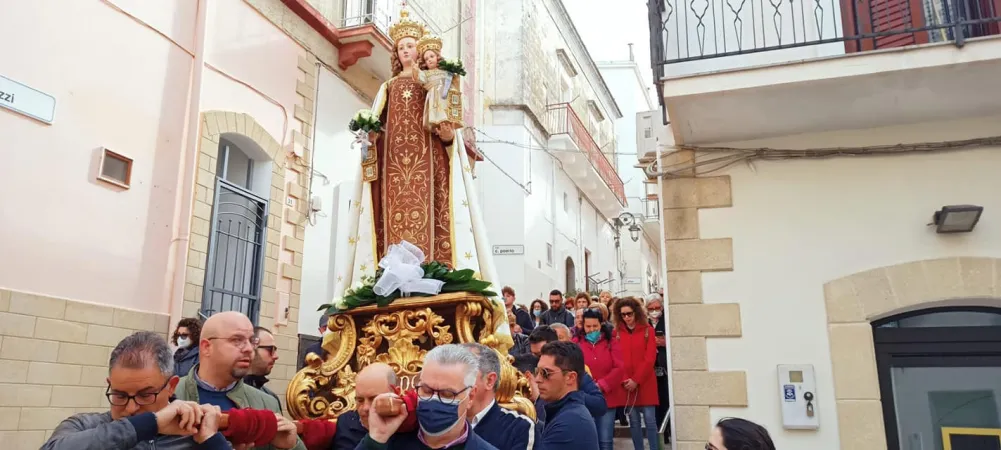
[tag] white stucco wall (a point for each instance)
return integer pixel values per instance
(336, 169)
(522, 192)
(798, 224)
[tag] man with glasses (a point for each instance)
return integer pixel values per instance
(444, 388)
(265, 357)
(568, 424)
(227, 347)
(593, 398)
(500, 427)
(141, 381)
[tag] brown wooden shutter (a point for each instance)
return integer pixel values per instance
(862, 17)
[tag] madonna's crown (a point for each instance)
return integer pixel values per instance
(405, 28)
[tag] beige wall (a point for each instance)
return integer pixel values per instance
(54, 361)
(798, 261)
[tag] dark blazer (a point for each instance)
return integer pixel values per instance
(349, 431)
(410, 441)
(507, 429)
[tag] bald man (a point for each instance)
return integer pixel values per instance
(374, 379)
(226, 350)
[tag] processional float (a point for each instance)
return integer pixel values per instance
(431, 248)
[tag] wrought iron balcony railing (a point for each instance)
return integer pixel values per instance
(561, 119)
(356, 13)
(691, 30)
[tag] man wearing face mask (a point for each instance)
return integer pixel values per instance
(444, 387)
(655, 310)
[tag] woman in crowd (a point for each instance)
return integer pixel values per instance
(582, 301)
(739, 434)
(518, 335)
(602, 356)
(538, 307)
(604, 311)
(636, 339)
(186, 337)
(605, 297)
(578, 329)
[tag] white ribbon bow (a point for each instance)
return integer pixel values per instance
(402, 270)
(361, 139)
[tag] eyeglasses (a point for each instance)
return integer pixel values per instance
(446, 396)
(547, 373)
(240, 341)
(626, 313)
(271, 349)
(183, 335)
(141, 399)
(710, 446)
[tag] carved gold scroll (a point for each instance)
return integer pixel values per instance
(398, 335)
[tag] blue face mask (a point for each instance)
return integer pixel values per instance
(435, 417)
(537, 312)
(593, 336)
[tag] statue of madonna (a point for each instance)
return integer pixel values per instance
(415, 184)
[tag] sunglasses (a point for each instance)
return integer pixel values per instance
(546, 373)
(271, 349)
(626, 313)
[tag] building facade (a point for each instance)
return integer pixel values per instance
(549, 186)
(814, 171)
(639, 225)
(177, 180)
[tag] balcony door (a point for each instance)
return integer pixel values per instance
(940, 379)
(895, 21)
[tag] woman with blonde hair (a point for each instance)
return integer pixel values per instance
(636, 339)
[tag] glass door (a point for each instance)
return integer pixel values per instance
(940, 378)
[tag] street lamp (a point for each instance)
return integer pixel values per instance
(628, 219)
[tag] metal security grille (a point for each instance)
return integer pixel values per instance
(236, 252)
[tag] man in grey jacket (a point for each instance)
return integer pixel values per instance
(141, 382)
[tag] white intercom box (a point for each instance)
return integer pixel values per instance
(798, 396)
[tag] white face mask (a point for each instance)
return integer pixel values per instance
(655, 315)
(183, 342)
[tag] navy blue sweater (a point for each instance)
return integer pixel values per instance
(507, 429)
(592, 397)
(568, 425)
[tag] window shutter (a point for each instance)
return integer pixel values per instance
(883, 16)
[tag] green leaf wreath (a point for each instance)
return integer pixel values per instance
(452, 66)
(455, 281)
(365, 120)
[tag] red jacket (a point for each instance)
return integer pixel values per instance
(639, 352)
(604, 358)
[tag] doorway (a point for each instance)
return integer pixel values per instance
(940, 378)
(571, 277)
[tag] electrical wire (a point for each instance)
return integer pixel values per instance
(708, 160)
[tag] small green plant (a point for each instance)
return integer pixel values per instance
(453, 66)
(365, 120)
(455, 281)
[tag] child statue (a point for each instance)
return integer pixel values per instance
(439, 84)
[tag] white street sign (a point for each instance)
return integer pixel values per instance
(509, 249)
(631, 280)
(25, 100)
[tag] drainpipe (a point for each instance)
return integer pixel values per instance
(667, 310)
(177, 259)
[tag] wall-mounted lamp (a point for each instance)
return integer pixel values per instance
(957, 218)
(628, 219)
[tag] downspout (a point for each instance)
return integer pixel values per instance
(667, 310)
(177, 257)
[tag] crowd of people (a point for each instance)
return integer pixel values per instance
(589, 363)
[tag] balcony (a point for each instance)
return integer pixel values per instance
(358, 28)
(747, 69)
(583, 159)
